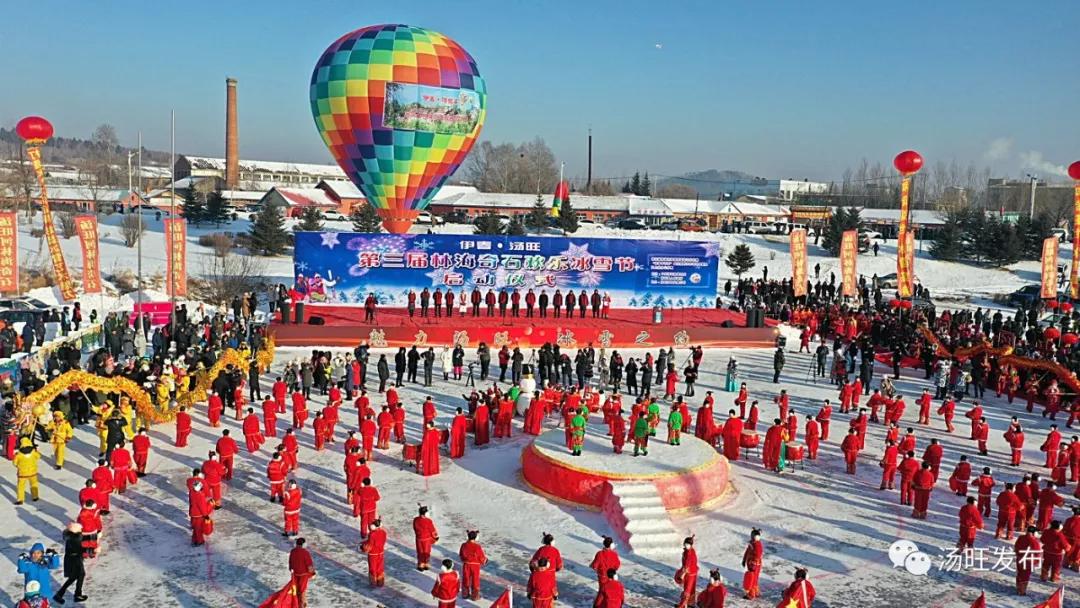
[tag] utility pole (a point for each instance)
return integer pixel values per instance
(172, 212)
(588, 176)
(139, 293)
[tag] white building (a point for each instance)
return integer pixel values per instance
(790, 188)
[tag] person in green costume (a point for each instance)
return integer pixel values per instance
(674, 425)
(641, 436)
(577, 431)
(653, 417)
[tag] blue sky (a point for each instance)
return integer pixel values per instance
(778, 88)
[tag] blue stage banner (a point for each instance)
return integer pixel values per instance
(344, 267)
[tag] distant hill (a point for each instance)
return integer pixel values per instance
(68, 150)
(711, 182)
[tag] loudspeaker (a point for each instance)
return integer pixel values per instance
(751, 317)
(298, 317)
(315, 320)
(285, 307)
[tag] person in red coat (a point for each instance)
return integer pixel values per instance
(924, 406)
(800, 593)
(291, 502)
(472, 560)
(703, 427)
(367, 505)
(751, 560)
(961, 477)
(299, 410)
(1029, 554)
(618, 431)
(368, 430)
(770, 452)
(732, 433)
(226, 449)
(213, 474)
(982, 435)
(1051, 446)
(611, 593)
(742, 399)
(504, 418)
(549, 552)
(824, 416)
(1048, 499)
(985, 486)
(199, 510)
(923, 485)
(686, 575)
(1071, 530)
(908, 467)
(103, 478)
(275, 474)
(120, 460)
(813, 437)
(850, 447)
(429, 451)
(1008, 505)
(714, 594)
(252, 434)
(542, 588)
(482, 418)
(457, 434)
(140, 447)
(447, 586)
(183, 427)
(1055, 546)
(89, 518)
(269, 409)
(289, 455)
(302, 570)
(215, 407)
(319, 427)
(933, 455)
(399, 420)
(605, 559)
(888, 465)
(279, 390)
(385, 424)
(375, 548)
(670, 381)
(970, 523)
(534, 415)
(425, 535)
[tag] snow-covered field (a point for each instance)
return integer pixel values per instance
(838, 526)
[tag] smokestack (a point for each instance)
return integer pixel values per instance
(588, 179)
(232, 137)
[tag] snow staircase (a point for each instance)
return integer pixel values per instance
(637, 514)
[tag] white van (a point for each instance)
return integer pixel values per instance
(758, 227)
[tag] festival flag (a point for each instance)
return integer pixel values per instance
(506, 600)
(849, 250)
(282, 598)
(176, 257)
(905, 264)
(1074, 272)
(905, 204)
(798, 262)
(9, 253)
(1049, 268)
(1055, 601)
(980, 602)
(60, 271)
(87, 228)
(562, 197)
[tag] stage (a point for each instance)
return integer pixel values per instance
(685, 476)
(344, 325)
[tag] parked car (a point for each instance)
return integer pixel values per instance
(335, 216)
(631, 224)
(694, 224)
(456, 217)
(871, 234)
(1062, 234)
(1024, 296)
(759, 227)
(887, 281)
(672, 225)
(426, 217)
(588, 224)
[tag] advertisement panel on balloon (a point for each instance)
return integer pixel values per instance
(344, 267)
(435, 109)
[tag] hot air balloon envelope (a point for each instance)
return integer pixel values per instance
(399, 107)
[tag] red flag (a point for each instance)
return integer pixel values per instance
(1056, 601)
(981, 602)
(282, 598)
(503, 601)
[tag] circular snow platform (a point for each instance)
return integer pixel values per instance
(685, 476)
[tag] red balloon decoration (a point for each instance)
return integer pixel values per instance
(1052, 304)
(34, 128)
(1066, 307)
(1051, 333)
(905, 304)
(908, 162)
(895, 303)
(1074, 170)
(1070, 339)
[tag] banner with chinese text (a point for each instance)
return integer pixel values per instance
(905, 205)
(87, 228)
(1074, 271)
(344, 267)
(9, 253)
(176, 258)
(849, 249)
(1049, 268)
(798, 262)
(60, 271)
(905, 265)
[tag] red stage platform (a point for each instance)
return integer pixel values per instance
(685, 476)
(624, 328)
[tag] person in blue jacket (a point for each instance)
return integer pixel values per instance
(36, 566)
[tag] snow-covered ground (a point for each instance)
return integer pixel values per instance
(838, 526)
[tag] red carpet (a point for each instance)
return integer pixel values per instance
(344, 326)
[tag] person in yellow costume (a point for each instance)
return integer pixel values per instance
(60, 433)
(128, 412)
(103, 411)
(26, 467)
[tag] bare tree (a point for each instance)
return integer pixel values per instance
(600, 188)
(19, 180)
(523, 168)
(229, 276)
(132, 228)
(676, 191)
(67, 224)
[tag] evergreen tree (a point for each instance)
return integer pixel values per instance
(218, 210)
(841, 221)
(1032, 232)
(740, 260)
(311, 220)
(646, 186)
(626, 188)
(568, 219)
(488, 223)
(947, 242)
(364, 218)
(194, 210)
(537, 219)
(516, 227)
(268, 235)
(635, 183)
(972, 246)
(998, 241)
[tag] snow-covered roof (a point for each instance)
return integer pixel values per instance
(242, 195)
(646, 206)
(82, 193)
(218, 164)
(448, 191)
(303, 197)
(918, 216)
(525, 201)
(690, 205)
(342, 189)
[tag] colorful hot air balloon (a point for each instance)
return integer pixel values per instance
(399, 107)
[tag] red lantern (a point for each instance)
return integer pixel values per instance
(1051, 333)
(1052, 304)
(1074, 170)
(895, 303)
(1066, 307)
(1070, 339)
(908, 162)
(905, 304)
(34, 128)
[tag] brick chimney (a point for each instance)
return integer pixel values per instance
(232, 137)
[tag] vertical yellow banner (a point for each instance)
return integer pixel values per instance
(87, 228)
(849, 250)
(1074, 271)
(63, 279)
(176, 258)
(905, 265)
(9, 253)
(798, 262)
(905, 204)
(1049, 268)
